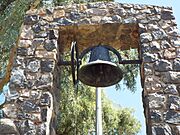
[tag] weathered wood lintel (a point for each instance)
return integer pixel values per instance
(119, 36)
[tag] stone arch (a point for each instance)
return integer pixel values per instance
(31, 103)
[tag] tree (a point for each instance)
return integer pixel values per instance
(77, 111)
(130, 70)
(11, 18)
(80, 107)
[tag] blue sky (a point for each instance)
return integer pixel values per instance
(128, 99)
(134, 100)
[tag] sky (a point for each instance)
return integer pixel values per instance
(134, 100)
(125, 98)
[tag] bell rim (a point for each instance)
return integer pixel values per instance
(100, 62)
(105, 63)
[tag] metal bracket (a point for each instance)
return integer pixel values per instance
(74, 63)
(130, 62)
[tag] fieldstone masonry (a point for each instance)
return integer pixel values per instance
(31, 105)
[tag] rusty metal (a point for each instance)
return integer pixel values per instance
(100, 71)
(130, 62)
(74, 63)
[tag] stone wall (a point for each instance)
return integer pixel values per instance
(31, 103)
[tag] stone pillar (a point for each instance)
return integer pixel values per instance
(31, 102)
(161, 71)
(31, 99)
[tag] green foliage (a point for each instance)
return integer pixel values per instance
(119, 120)
(11, 18)
(77, 111)
(130, 70)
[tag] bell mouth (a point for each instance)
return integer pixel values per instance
(100, 73)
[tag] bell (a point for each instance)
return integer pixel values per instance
(100, 71)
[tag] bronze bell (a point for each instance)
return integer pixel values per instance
(100, 71)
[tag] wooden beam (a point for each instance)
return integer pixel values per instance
(119, 36)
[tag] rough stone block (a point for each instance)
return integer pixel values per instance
(154, 18)
(176, 64)
(175, 77)
(53, 34)
(97, 12)
(145, 37)
(25, 43)
(167, 15)
(37, 42)
(27, 33)
(162, 65)
(26, 127)
(130, 20)
(37, 28)
(155, 101)
(50, 45)
(149, 57)
(46, 54)
(159, 34)
(41, 129)
(116, 18)
(161, 130)
(175, 41)
(42, 34)
(58, 13)
(153, 84)
(45, 99)
(84, 21)
(177, 130)
(33, 65)
(22, 51)
(44, 114)
(178, 52)
(44, 81)
(172, 117)
(63, 21)
(148, 69)
(171, 77)
(173, 102)
(31, 51)
(156, 116)
(35, 94)
(7, 127)
(170, 53)
(165, 44)
(155, 46)
(10, 111)
(120, 11)
(17, 77)
(76, 16)
(25, 93)
(171, 89)
(106, 19)
(145, 48)
(31, 19)
(22, 115)
(30, 106)
(47, 65)
(49, 10)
